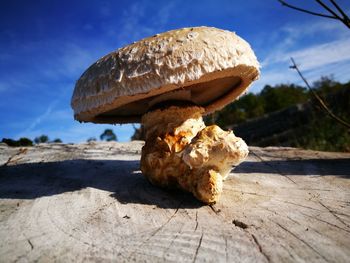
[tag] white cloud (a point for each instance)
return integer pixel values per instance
(316, 56)
(70, 60)
(281, 73)
(39, 118)
(288, 38)
(4, 86)
(322, 55)
(314, 28)
(164, 13)
(133, 26)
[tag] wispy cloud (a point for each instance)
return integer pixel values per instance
(281, 73)
(134, 25)
(131, 28)
(316, 58)
(318, 55)
(322, 55)
(71, 59)
(289, 38)
(55, 62)
(164, 13)
(3, 86)
(62, 62)
(39, 118)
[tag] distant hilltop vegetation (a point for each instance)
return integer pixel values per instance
(288, 115)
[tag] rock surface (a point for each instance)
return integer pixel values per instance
(90, 202)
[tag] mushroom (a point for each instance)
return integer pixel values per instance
(168, 82)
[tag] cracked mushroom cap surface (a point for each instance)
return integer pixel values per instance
(206, 66)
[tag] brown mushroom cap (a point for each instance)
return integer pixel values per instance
(206, 66)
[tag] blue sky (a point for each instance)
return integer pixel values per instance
(46, 45)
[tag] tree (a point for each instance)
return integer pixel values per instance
(326, 85)
(25, 142)
(41, 139)
(319, 100)
(108, 135)
(139, 133)
(20, 142)
(91, 139)
(57, 140)
(252, 105)
(282, 96)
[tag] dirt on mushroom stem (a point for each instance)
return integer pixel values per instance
(181, 152)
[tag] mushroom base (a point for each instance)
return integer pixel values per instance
(181, 152)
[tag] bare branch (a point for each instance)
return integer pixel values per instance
(339, 9)
(318, 98)
(346, 19)
(329, 10)
(305, 11)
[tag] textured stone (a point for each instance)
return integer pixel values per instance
(89, 202)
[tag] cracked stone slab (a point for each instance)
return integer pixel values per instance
(90, 202)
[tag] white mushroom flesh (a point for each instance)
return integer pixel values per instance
(180, 151)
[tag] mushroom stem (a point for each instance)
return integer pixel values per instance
(181, 152)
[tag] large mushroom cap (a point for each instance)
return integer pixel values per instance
(206, 66)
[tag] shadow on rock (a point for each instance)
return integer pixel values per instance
(126, 183)
(122, 178)
(307, 167)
